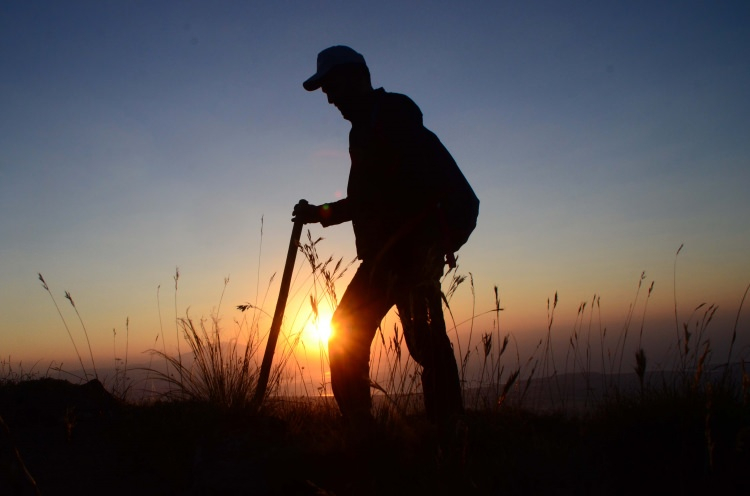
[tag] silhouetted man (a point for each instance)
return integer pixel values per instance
(400, 173)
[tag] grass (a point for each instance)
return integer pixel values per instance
(547, 423)
(220, 373)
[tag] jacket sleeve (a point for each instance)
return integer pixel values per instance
(335, 213)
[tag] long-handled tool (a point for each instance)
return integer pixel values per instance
(278, 316)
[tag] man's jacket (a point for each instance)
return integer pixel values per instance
(400, 173)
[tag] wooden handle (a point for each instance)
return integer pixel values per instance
(278, 316)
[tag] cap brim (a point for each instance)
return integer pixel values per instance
(313, 83)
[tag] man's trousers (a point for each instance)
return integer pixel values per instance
(414, 287)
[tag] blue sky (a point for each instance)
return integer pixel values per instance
(136, 137)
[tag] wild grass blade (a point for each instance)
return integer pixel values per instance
(65, 324)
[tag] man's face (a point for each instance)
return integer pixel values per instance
(340, 95)
(344, 93)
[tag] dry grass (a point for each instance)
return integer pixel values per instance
(686, 425)
(221, 373)
(222, 370)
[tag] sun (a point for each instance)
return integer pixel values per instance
(320, 329)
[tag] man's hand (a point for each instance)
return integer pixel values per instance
(306, 213)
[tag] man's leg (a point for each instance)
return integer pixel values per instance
(354, 323)
(421, 312)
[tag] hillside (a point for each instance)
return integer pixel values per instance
(79, 439)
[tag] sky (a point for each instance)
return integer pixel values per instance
(137, 138)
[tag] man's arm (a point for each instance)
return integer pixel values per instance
(327, 214)
(335, 213)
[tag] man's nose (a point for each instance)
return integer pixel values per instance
(330, 100)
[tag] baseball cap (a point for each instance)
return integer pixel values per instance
(328, 59)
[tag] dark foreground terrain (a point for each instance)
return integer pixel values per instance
(79, 440)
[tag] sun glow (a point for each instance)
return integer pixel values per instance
(320, 329)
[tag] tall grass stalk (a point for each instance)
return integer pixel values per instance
(549, 356)
(121, 385)
(85, 332)
(621, 343)
(497, 369)
(674, 293)
(161, 331)
(573, 347)
(80, 360)
(455, 280)
(325, 276)
(180, 369)
(257, 275)
(587, 366)
(471, 317)
(402, 379)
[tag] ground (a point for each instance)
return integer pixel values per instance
(78, 439)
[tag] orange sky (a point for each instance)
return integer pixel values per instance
(598, 137)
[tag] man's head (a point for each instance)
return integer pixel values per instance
(344, 77)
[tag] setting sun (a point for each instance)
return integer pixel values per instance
(320, 329)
